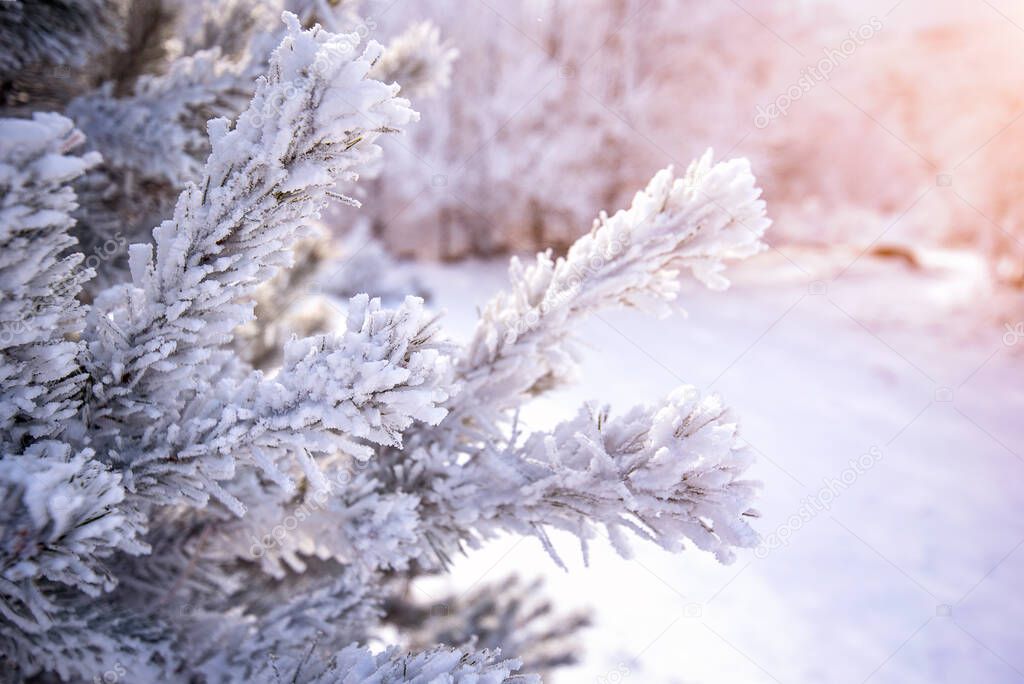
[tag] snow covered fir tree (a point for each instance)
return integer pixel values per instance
(193, 494)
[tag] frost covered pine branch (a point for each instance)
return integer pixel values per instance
(143, 458)
(61, 506)
(150, 397)
(156, 341)
(670, 472)
(633, 258)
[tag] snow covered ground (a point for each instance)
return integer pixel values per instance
(909, 575)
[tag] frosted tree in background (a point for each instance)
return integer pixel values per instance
(179, 507)
(627, 85)
(606, 79)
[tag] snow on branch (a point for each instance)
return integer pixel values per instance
(285, 631)
(333, 394)
(62, 517)
(156, 342)
(632, 258)
(311, 637)
(355, 522)
(311, 121)
(372, 381)
(157, 133)
(82, 640)
(39, 276)
(507, 613)
(62, 513)
(668, 473)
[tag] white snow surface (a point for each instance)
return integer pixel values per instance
(911, 573)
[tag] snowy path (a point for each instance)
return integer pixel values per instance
(911, 574)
